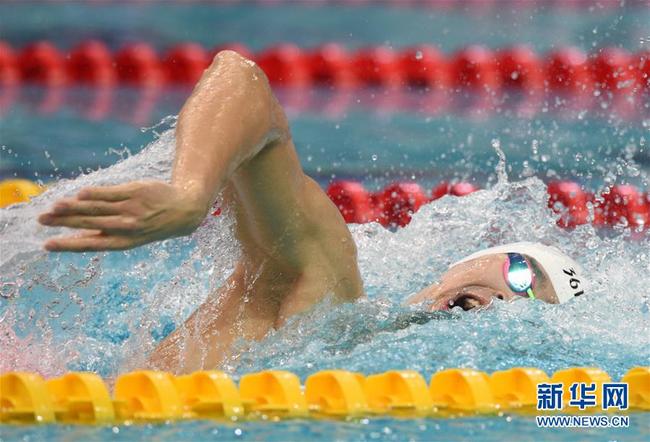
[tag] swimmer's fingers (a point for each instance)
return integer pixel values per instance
(119, 192)
(107, 224)
(90, 242)
(73, 206)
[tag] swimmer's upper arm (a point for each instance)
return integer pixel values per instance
(233, 131)
(229, 118)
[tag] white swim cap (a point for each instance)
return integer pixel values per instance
(567, 276)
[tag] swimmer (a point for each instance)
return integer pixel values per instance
(233, 139)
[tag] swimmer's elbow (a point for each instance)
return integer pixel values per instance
(230, 56)
(244, 71)
(257, 93)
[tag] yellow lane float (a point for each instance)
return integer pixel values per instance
(209, 394)
(154, 396)
(517, 387)
(81, 398)
(274, 393)
(147, 396)
(398, 392)
(24, 399)
(17, 191)
(638, 379)
(462, 390)
(336, 393)
(587, 375)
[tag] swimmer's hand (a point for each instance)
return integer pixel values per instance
(124, 216)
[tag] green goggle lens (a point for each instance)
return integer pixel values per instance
(519, 275)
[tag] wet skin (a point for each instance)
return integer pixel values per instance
(475, 284)
(233, 140)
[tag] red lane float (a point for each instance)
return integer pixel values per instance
(377, 66)
(642, 63)
(623, 204)
(138, 65)
(613, 69)
(353, 201)
(9, 73)
(330, 65)
(185, 63)
(42, 63)
(398, 202)
(394, 205)
(520, 68)
(284, 64)
(565, 70)
(570, 201)
(475, 67)
(424, 66)
(91, 62)
(455, 189)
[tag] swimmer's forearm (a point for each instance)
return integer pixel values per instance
(229, 118)
(231, 115)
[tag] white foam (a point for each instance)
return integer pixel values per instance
(99, 311)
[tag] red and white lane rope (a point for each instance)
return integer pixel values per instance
(567, 70)
(394, 205)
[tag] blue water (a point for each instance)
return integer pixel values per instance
(483, 429)
(589, 144)
(105, 311)
(163, 23)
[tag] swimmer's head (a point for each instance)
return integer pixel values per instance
(523, 270)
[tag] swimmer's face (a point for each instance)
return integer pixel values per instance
(474, 284)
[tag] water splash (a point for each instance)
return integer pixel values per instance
(502, 174)
(105, 311)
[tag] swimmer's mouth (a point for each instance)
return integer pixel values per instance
(466, 301)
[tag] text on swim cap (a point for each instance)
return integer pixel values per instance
(573, 282)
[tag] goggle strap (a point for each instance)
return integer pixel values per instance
(531, 295)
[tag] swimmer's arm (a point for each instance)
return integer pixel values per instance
(229, 118)
(206, 337)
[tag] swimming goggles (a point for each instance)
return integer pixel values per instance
(519, 275)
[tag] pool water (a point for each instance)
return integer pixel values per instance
(484, 429)
(105, 311)
(370, 136)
